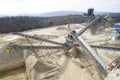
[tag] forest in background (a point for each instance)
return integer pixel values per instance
(22, 23)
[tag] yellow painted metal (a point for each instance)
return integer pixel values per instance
(8, 50)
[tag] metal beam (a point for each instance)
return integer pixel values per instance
(89, 25)
(89, 51)
(106, 47)
(20, 47)
(92, 23)
(39, 39)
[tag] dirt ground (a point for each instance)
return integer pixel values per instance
(65, 65)
(14, 74)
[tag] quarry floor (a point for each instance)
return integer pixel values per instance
(14, 74)
(70, 65)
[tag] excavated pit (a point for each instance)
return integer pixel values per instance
(73, 64)
(54, 65)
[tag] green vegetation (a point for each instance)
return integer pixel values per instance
(22, 23)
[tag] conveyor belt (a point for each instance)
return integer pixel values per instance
(89, 51)
(106, 47)
(19, 47)
(92, 23)
(39, 39)
(89, 25)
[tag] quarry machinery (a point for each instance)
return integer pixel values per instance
(57, 45)
(117, 33)
(93, 22)
(82, 43)
(72, 39)
(100, 25)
